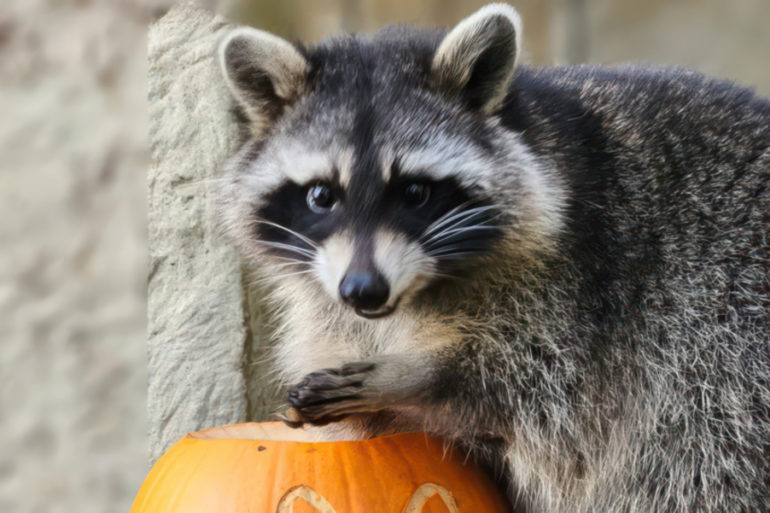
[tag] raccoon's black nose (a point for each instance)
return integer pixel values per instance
(367, 290)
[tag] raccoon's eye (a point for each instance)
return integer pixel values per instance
(320, 198)
(416, 194)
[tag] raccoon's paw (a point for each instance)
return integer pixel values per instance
(331, 394)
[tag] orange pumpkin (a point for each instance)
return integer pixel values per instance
(263, 468)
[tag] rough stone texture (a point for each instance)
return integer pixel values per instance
(197, 329)
(73, 254)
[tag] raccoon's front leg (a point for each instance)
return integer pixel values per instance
(386, 381)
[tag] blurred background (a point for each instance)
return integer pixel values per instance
(73, 159)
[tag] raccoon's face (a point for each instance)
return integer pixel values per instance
(375, 166)
(371, 210)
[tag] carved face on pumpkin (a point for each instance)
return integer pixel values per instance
(428, 495)
(263, 468)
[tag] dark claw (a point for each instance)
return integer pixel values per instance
(327, 381)
(302, 398)
(321, 396)
(356, 368)
(295, 401)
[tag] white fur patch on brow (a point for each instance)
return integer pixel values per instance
(303, 165)
(449, 158)
(403, 263)
(387, 157)
(345, 158)
(332, 260)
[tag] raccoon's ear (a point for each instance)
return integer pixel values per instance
(265, 74)
(476, 59)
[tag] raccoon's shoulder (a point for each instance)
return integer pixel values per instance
(630, 98)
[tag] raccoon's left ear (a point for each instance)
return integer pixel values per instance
(476, 59)
(265, 74)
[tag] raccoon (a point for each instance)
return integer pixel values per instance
(565, 270)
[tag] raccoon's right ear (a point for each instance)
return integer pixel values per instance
(476, 59)
(265, 74)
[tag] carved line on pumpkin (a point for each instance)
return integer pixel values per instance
(319, 503)
(419, 498)
(425, 492)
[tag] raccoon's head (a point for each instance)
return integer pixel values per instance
(377, 164)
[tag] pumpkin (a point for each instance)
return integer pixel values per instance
(269, 468)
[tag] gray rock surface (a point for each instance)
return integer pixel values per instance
(73, 254)
(198, 333)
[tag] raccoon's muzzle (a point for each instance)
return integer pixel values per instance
(365, 290)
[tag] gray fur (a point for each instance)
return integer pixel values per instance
(613, 346)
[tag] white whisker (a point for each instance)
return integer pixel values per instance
(456, 218)
(289, 230)
(448, 276)
(437, 238)
(289, 262)
(438, 222)
(449, 253)
(269, 278)
(286, 247)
